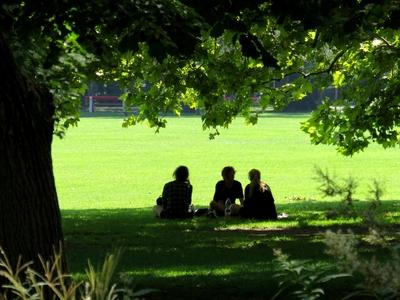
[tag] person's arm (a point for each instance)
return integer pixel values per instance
(240, 193)
(274, 213)
(246, 193)
(190, 193)
(217, 193)
(164, 196)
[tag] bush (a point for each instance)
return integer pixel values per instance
(376, 190)
(377, 279)
(330, 188)
(301, 279)
(374, 278)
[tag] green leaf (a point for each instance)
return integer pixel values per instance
(338, 79)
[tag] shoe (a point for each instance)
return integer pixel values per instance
(228, 210)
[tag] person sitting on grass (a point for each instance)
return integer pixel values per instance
(226, 193)
(176, 199)
(258, 202)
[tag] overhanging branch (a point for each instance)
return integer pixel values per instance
(386, 42)
(306, 75)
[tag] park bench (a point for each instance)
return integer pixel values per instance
(102, 103)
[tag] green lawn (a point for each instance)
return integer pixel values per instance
(108, 178)
(102, 165)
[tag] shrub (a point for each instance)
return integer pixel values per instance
(330, 187)
(301, 279)
(26, 283)
(52, 283)
(378, 279)
(374, 278)
(376, 190)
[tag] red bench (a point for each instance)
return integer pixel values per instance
(105, 102)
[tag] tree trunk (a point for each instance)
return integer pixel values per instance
(30, 220)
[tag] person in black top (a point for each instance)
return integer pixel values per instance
(225, 189)
(258, 202)
(176, 197)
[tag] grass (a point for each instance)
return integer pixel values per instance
(204, 258)
(102, 165)
(108, 178)
(184, 257)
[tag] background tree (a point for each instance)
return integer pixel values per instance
(191, 52)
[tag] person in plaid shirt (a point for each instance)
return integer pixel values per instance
(176, 198)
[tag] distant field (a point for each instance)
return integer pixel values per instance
(101, 165)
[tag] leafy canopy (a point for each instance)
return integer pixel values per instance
(197, 52)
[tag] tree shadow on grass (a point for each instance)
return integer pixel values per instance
(201, 256)
(324, 205)
(314, 210)
(165, 243)
(256, 283)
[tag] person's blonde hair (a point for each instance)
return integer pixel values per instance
(255, 181)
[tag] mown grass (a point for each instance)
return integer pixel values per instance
(102, 165)
(108, 178)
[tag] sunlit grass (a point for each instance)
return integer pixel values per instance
(102, 165)
(186, 271)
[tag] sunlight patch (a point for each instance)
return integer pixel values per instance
(173, 273)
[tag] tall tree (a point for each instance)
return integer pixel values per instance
(47, 49)
(30, 216)
(192, 52)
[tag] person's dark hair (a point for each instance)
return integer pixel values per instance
(181, 173)
(226, 170)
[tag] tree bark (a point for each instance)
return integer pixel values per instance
(30, 220)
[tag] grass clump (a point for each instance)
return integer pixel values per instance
(51, 282)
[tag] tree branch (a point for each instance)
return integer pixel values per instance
(330, 68)
(386, 42)
(306, 75)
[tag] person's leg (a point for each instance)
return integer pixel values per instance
(218, 207)
(157, 209)
(235, 208)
